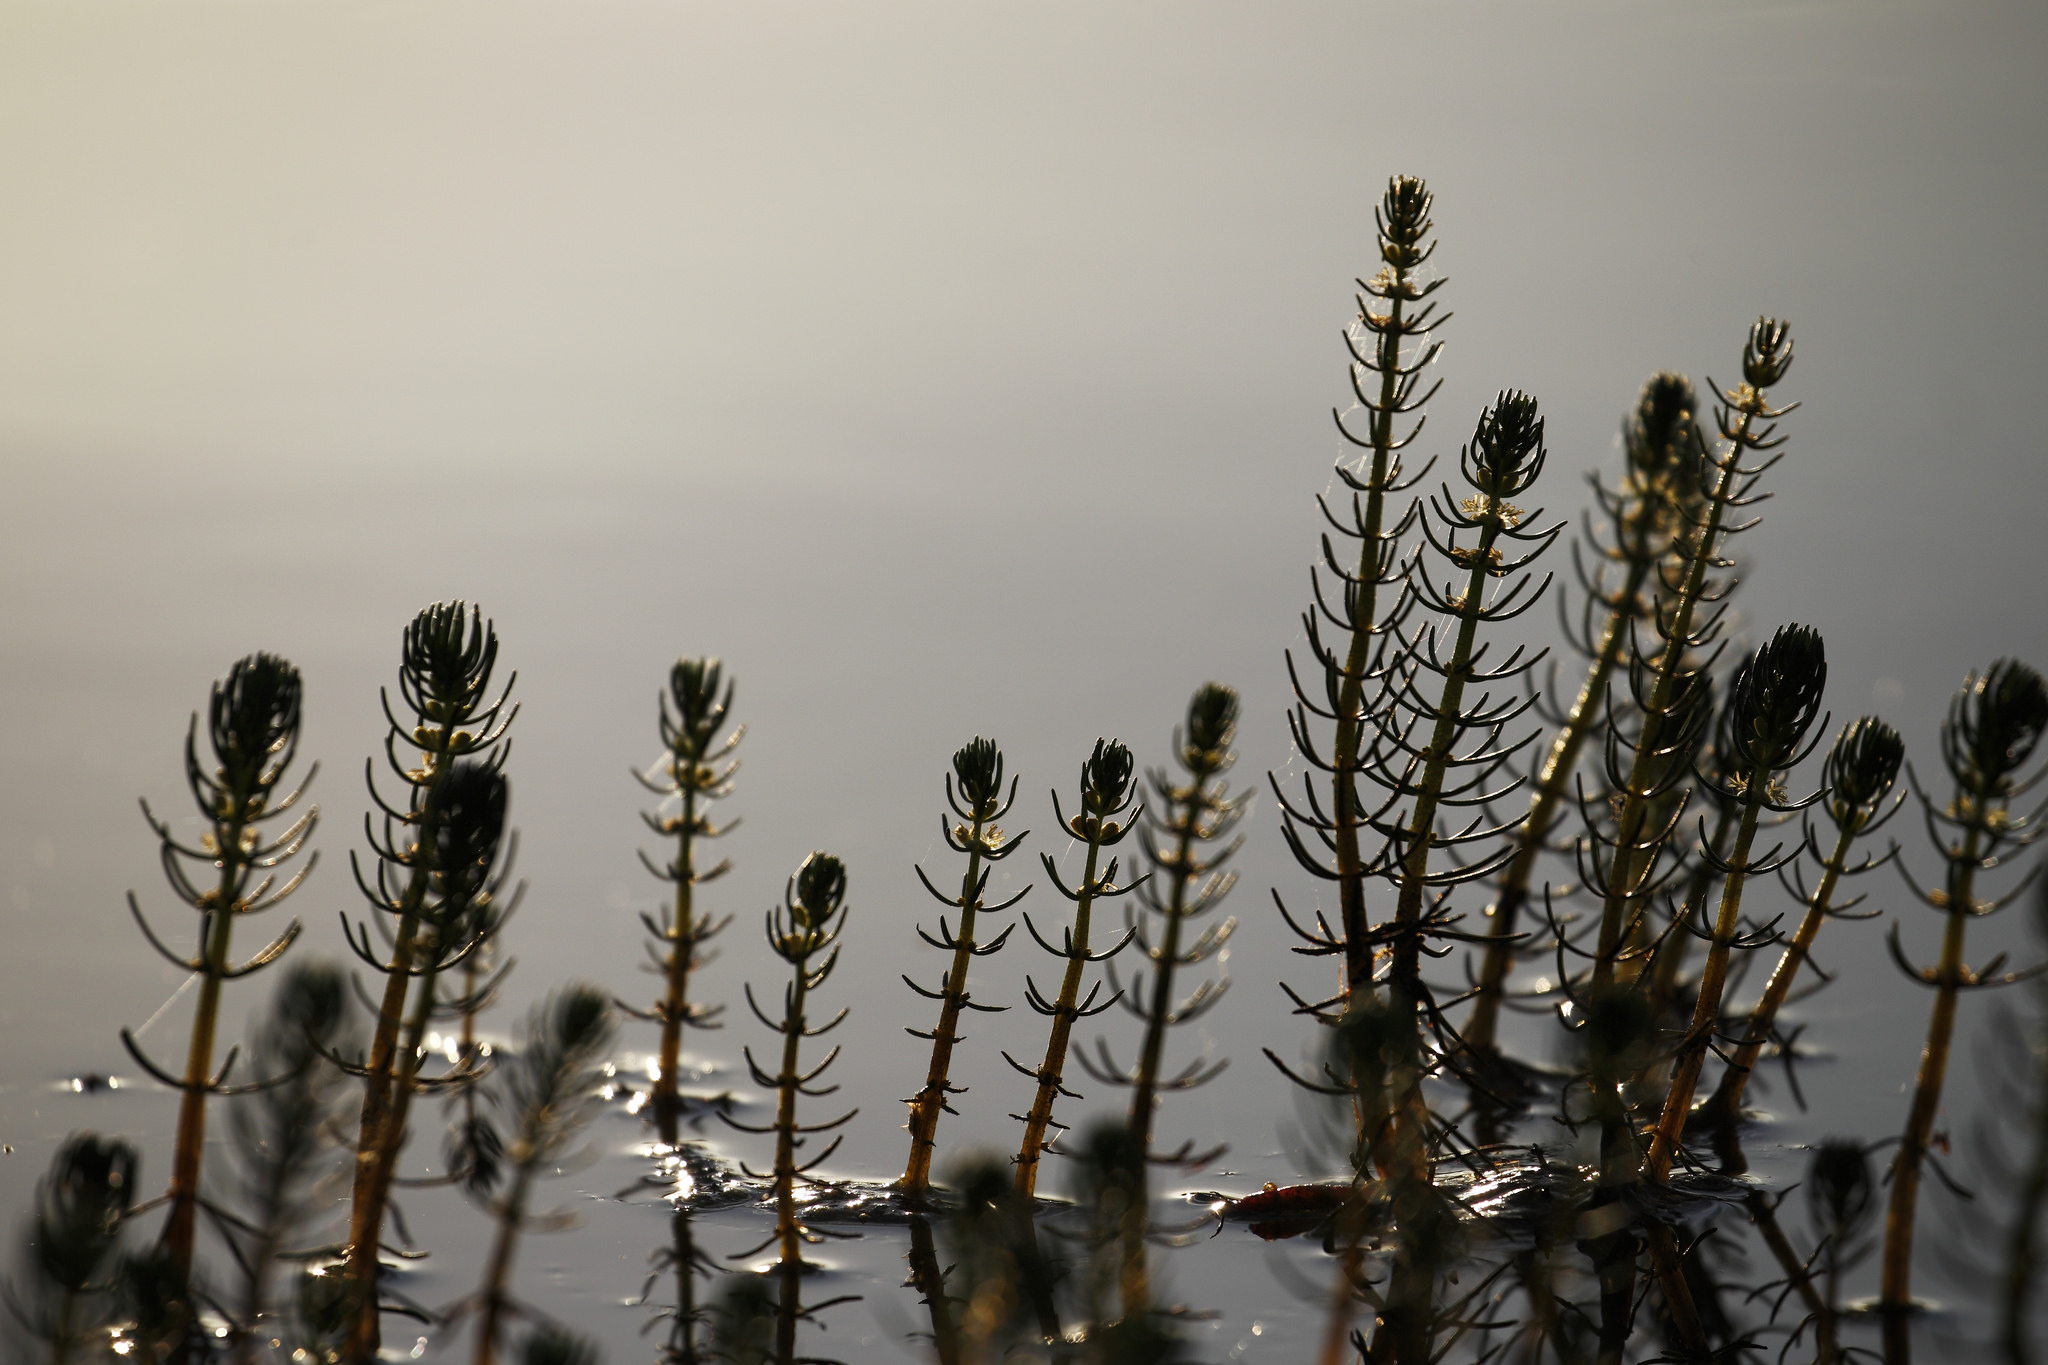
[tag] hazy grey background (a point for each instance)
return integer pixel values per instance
(948, 369)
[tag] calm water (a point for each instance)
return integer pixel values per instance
(948, 373)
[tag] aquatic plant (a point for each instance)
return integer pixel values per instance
(977, 803)
(1390, 351)
(547, 1091)
(1106, 792)
(1861, 769)
(1179, 838)
(803, 928)
(1774, 701)
(694, 771)
(1993, 727)
(1438, 753)
(252, 728)
(70, 1243)
(445, 665)
(1668, 681)
(1644, 513)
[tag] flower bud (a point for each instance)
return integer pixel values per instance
(447, 658)
(1994, 724)
(1775, 698)
(1212, 723)
(1659, 430)
(1404, 221)
(1861, 768)
(1768, 353)
(979, 769)
(1506, 452)
(820, 886)
(1106, 778)
(693, 686)
(254, 713)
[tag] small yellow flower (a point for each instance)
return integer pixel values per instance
(1475, 508)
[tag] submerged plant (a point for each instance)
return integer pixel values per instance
(444, 680)
(1861, 770)
(1106, 791)
(802, 929)
(1179, 837)
(72, 1237)
(694, 771)
(547, 1092)
(252, 725)
(978, 803)
(285, 1139)
(1994, 725)
(1390, 351)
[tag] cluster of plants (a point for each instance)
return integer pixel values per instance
(1588, 838)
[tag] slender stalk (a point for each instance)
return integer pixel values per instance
(1726, 1103)
(979, 770)
(1404, 223)
(1706, 1012)
(1198, 812)
(444, 677)
(1105, 794)
(1745, 421)
(930, 1283)
(696, 772)
(1862, 767)
(1949, 977)
(1644, 511)
(804, 926)
(1482, 1028)
(1065, 1011)
(1775, 697)
(549, 1090)
(252, 725)
(498, 1270)
(1993, 726)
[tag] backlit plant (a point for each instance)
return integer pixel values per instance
(252, 728)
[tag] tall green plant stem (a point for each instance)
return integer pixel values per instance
(406, 1064)
(367, 1200)
(1344, 759)
(930, 1283)
(930, 1102)
(682, 936)
(1186, 827)
(1763, 1212)
(1065, 1010)
(1692, 1052)
(1406, 975)
(1896, 1295)
(1481, 1030)
(181, 1228)
(1632, 864)
(498, 1271)
(1404, 1334)
(788, 1232)
(1726, 1103)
